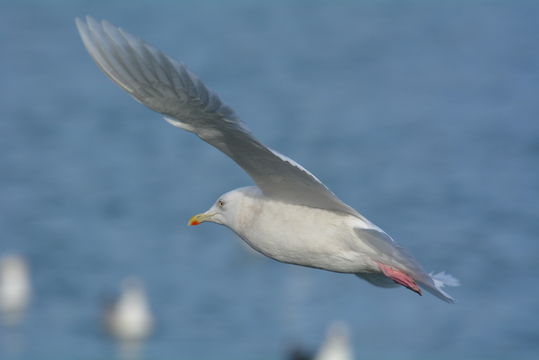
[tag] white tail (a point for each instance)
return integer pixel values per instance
(436, 284)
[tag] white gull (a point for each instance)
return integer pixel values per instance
(15, 288)
(290, 215)
(129, 318)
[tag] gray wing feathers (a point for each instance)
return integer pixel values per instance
(387, 251)
(148, 75)
(168, 87)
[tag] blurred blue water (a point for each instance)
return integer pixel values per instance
(422, 116)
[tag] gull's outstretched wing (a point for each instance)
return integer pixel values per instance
(168, 87)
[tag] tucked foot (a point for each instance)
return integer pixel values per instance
(399, 277)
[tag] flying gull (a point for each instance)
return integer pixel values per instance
(289, 216)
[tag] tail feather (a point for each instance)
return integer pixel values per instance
(436, 284)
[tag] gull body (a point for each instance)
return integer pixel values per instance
(274, 229)
(290, 216)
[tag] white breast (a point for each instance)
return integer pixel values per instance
(302, 235)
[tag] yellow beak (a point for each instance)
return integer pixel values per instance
(197, 219)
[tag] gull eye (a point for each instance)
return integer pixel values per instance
(221, 203)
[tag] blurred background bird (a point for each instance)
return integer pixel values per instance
(336, 346)
(15, 288)
(128, 319)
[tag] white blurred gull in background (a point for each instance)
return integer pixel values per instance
(15, 288)
(128, 319)
(336, 346)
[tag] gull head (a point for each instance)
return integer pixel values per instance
(223, 211)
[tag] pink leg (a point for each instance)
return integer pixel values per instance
(399, 277)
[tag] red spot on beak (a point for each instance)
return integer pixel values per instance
(193, 221)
